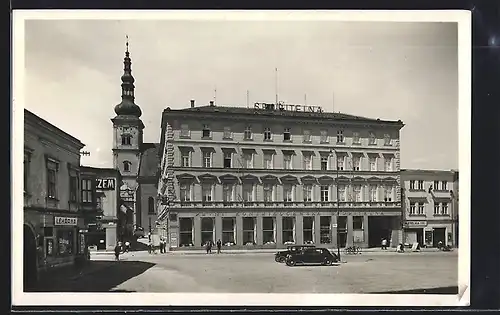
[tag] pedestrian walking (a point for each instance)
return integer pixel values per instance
(117, 251)
(162, 246)
(384, 244)
(219, 245)
(150, 247)
(127, 246)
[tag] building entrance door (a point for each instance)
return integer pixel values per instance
(29, 261)
(438, 234)
(379, 228)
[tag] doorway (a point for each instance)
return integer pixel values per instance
(414, 235)
(379, 228)
(30, 272)
(438, 234)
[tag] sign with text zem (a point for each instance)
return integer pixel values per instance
(65, 221)
(105, 184)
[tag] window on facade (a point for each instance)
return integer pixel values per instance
(65, 242)
(86, 190)
(340, 162)
(325, 231)
(73, 188)
(388, 193)
(444, 185)
(228, 231)
(151, 205)
(185, 232)
(207, 230)
(185, 132)
(248, 160)
(323, 138)
(324, 162)
(249, 231)
(308, 230)
(357, 193)
(126, 166)
(287, 136)
(207, 159)
(228, 159)
(307, 135)
(227, 133)
(268, 192)
(421, 210)
(325, 192)
(227, 192)
(355, 137)
(342, 193)
(373, 193)
(185, 158)
(126, 139)
(412, 184)
(206, 191)
(247, 192)
(420, 185)
(388, 164)
(288, 229)
(357, 222)
(287, 161)
(372, 140)
(436, 185)
(340, 136)
(307, 192)
(436, 209)
(307, 162)
(267, 134)
(444, 208)
(185, 191)
(247, 134)
(268, 230)
(26, 171)
(288, 192)
(205, 132)
(268, 161)
(387, 139)
(373, 163)
(413, 208)
(52, 169)
(356, 163)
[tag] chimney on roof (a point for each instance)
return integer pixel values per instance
(192, 103)
(212, 103)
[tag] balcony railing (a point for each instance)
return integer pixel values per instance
(282, 204)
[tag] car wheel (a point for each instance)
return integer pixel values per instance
(281, 260)
(327, 262)
(290, 262)
(277, 259)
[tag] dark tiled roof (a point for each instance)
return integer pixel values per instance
(276, 113)
(150, 159)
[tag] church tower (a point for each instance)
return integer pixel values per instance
(128, 136)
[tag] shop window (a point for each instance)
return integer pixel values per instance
(151, 205)
(288, 230)
(65, 242)
(228, 231)
(308, 228)
(325, 223)
(186, 232)
(249, 231)
(207, 230)
(357, 223)
(268, 230)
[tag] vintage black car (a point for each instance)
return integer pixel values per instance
(281, 255)
(311, 256)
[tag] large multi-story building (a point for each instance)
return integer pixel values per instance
(278, 174)
(430, 206)
(53, 224)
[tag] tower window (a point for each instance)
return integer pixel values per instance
(126, 166)
(126, 140)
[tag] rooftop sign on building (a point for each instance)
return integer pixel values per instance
(281, 106)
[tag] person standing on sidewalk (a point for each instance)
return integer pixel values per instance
(219, 245)
(117, 252)
(127, 246)
(384, 244)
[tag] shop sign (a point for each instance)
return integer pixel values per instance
(281, 106)
(416, 223)
(105, 184)
(65, 221)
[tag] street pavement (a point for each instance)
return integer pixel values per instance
(369, 272)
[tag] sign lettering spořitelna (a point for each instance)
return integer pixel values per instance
(289, 107)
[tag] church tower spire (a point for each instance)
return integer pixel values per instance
(127, 107)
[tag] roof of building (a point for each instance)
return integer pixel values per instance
(150, 159)
(28, 115)
(278, 113)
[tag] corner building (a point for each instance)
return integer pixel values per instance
(264, 177)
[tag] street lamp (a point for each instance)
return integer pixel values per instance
(338, 204)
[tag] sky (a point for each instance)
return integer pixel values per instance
(386, 70)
